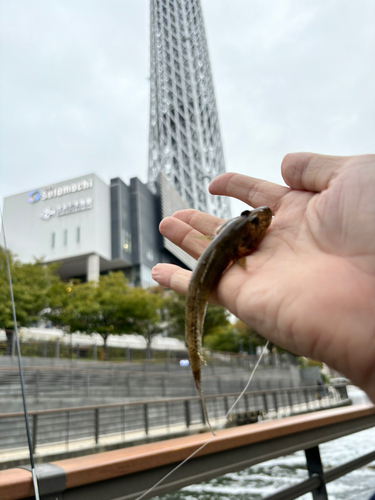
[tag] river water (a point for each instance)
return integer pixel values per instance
(264, 479)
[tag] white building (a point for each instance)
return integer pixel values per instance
(91, 227)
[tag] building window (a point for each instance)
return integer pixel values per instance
(78, 234)
(127, 242)
(53, 240)
(65, 237)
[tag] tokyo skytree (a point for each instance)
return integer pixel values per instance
(184, 142)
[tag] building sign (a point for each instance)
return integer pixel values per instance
(34, 196)
(55, 192)
(66, 209)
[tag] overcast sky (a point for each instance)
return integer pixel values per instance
(289, 75)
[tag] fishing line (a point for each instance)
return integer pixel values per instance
(213, 434)
(28, 434)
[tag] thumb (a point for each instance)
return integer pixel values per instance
(310, 171)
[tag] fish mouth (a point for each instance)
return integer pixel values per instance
(264, 214)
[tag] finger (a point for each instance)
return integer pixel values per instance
(254, 192)
(200, 221)
(310, 171)
(171, 276)
(175, 278)
(183, 235)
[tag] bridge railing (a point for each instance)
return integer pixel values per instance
(87, 426)
(129, 472)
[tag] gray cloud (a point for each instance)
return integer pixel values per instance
(289, 75)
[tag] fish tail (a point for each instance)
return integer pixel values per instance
(205, 413)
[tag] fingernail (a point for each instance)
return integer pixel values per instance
(155, 275)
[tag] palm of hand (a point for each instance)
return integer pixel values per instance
(310, 287)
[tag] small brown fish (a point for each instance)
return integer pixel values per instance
(235, 239)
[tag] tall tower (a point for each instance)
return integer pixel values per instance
(185, 143)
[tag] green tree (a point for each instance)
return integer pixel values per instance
(32, 284)
(236, 337)
(223, 339)
(248, 339)
(216, 316)
(107, 307)
(174, 313)
(150, 305)
(216, 320)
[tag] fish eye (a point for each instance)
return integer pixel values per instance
(245, 213)
(255, 221)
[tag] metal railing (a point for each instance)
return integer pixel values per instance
(105, 424)
(133, 471)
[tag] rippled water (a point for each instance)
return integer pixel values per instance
(265, 479)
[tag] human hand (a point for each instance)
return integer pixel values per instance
(310, 286)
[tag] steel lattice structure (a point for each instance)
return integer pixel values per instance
(185, 142)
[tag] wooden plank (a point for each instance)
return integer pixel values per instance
(125, 461)
(15, 484)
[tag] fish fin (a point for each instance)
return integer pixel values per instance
(201, 357)
(204, 408)
(204, 237)
(241, 262)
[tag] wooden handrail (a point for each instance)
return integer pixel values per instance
(17, 484)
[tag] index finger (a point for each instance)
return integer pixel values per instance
(254, 192)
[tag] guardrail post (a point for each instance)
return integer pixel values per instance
(275, 401)
(187, 413)
(226, 406)
(145, 417)
(57, 349)
(35, 431)
(315, 468)
(94, 352)
(306, 398)
(264, 395)
(203, 419)
(290, 399)
(246, 398)
(97, 425)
